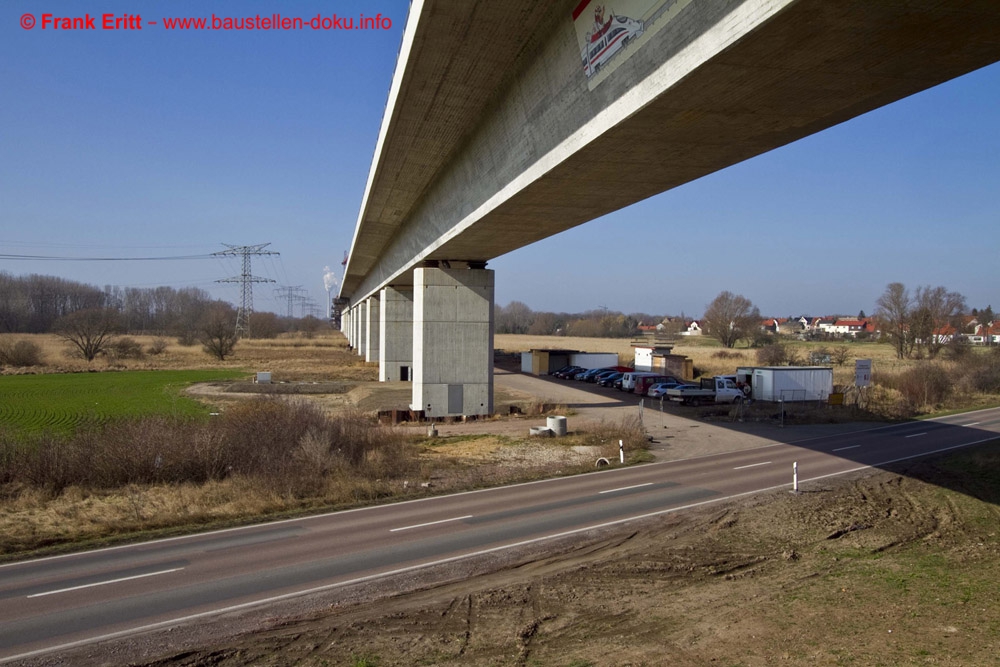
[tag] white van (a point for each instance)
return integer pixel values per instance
(628, 380)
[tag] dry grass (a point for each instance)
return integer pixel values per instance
(324, 356)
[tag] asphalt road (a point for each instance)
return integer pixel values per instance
(53, 604)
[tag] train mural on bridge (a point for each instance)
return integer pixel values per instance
(607, 38)
(608, 32)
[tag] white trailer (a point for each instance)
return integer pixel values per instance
(788, 383)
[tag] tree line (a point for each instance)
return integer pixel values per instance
(34, 303)
(518, 318)
(917, 323)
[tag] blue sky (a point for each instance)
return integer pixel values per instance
(158, 143)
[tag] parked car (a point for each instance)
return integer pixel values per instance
(610, 379)
(603, 374)
(557, 371)
(596, 376)
(718, 389)
(644, 382)
(660, 388)
(588, 375)
(628, 380)
(568, 372)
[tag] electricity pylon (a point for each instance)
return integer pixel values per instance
(292, 294)
(246, 280)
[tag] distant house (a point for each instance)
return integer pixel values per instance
(985, 334)
(823, 324)
(692, 329)
(772, 325)
(848, 327)
(945, 334)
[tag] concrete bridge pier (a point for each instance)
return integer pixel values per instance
(371, 309)
(360, 330)
(354, 328)
(452, 341)
(395, 361)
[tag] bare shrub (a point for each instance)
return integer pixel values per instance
(981, 372)
(726, 354)
(289, 448)
(841, 354)
(794, 358)
(925, 385)
(125, 347)
(21, 353)
(772, 355)
(881, 400)
(607, 434)
(187, 338)
(89, 331)
(265, 325)
(157, 347)
(217, 332)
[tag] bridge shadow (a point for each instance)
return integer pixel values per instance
(960, 452)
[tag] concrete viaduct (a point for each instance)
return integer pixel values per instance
(508, 122)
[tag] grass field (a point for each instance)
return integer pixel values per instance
(59, 402)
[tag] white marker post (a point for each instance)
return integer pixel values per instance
(795, 477)
(621, 451)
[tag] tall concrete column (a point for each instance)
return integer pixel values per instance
(371, 308)
(452, 341)
(395, 335)
(354, 328)
(347, 326)
(362, 330)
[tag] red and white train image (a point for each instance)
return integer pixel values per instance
(607, 38)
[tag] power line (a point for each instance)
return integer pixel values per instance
(102, 259)
(246, 280)
(292, 294)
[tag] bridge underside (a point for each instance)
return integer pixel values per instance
(494, 138)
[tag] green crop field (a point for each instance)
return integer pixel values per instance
(59, 402)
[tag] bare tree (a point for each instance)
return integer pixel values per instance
(546, 324)
(731, 317)
(91, 330)
(514, 318)
(841, 354)
(894, 309)
(217, 331)
(935, 308)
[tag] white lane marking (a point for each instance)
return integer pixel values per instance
(105, 583)
(753, 465)
(372, 508)
(625, 488)
(843, 448)
(916, 435)
(451, 559)
(972, 424)
(430, 523)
